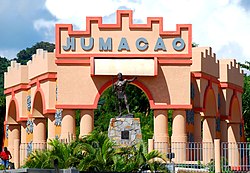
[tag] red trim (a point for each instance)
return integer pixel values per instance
(234, 96)
(92, 66)
(155, 67)
(225, 85)
(45, 111)
(19, 87)
(199, 109)
(175, 61)
(122, 55)
(73, 61)
(50, 76)
(152, 104)
(205, 76)
(118, 26)
(18, 118)
(224, 117)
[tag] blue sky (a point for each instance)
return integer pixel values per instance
(223, 25)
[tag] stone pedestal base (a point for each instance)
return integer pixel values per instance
(125, 131)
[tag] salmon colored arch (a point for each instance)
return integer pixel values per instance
(136, 83)
(39, 90)
(209, 90)
(234, 99)
(13, 99)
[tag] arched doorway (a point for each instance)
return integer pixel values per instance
(39, 134)
(138, 104)
(209, 125)
(14, 131)
(233, 131)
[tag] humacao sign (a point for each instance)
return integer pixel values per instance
(141, 44)
(123, 39)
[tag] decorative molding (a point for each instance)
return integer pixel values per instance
(219, 101)
(190, 116)
(28, 103)
(29, 126)
(241, 130)
(29, 148)
(190, 137)
(7, 131)
(58, 117)
(192, 91)
(218, 124)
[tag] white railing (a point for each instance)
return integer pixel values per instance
(235, 156)
(27, 148)
(189, 154)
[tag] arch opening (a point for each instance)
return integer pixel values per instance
(209, 122)
(138, 105)
(12, 113)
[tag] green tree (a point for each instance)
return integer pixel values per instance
(26, 54)
(96, 153)
(4, 63)
(138, 104)
(246, 100)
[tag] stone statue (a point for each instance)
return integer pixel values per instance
(119, 88)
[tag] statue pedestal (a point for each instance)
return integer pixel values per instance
(125, 131)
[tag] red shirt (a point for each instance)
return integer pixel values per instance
(5, 155)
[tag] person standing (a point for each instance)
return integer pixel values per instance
(5, 156)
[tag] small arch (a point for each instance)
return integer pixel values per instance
(13, 112)
(234, 110)
(136, 83)
(210, 113)
(209, 102)
(38, 106)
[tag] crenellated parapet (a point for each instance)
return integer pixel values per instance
(204, 60)
(42, 62)
(16, 74)
(230, 72)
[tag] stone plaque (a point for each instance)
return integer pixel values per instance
(125, 131)
(125, 134)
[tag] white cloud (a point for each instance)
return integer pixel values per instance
(224, 25)
(8, 53)
(47, 27)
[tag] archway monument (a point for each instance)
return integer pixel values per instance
(173, 75)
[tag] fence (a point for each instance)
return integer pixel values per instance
(232, 156)
(27, 148)
(235, 156)
(189, 154)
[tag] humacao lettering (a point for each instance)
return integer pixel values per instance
(106, 44)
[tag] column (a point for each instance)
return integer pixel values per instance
(209, 132)
(68, 125)
(39, 134)
(179, 136)
(197, 127)
(23, 143)
(161, 138)
(51, 126)
(196, 151)
(150, 145)
(223, 130)
(16, 154)
(14, 134)
(217, 156)
(86, 123)
(233, 150)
